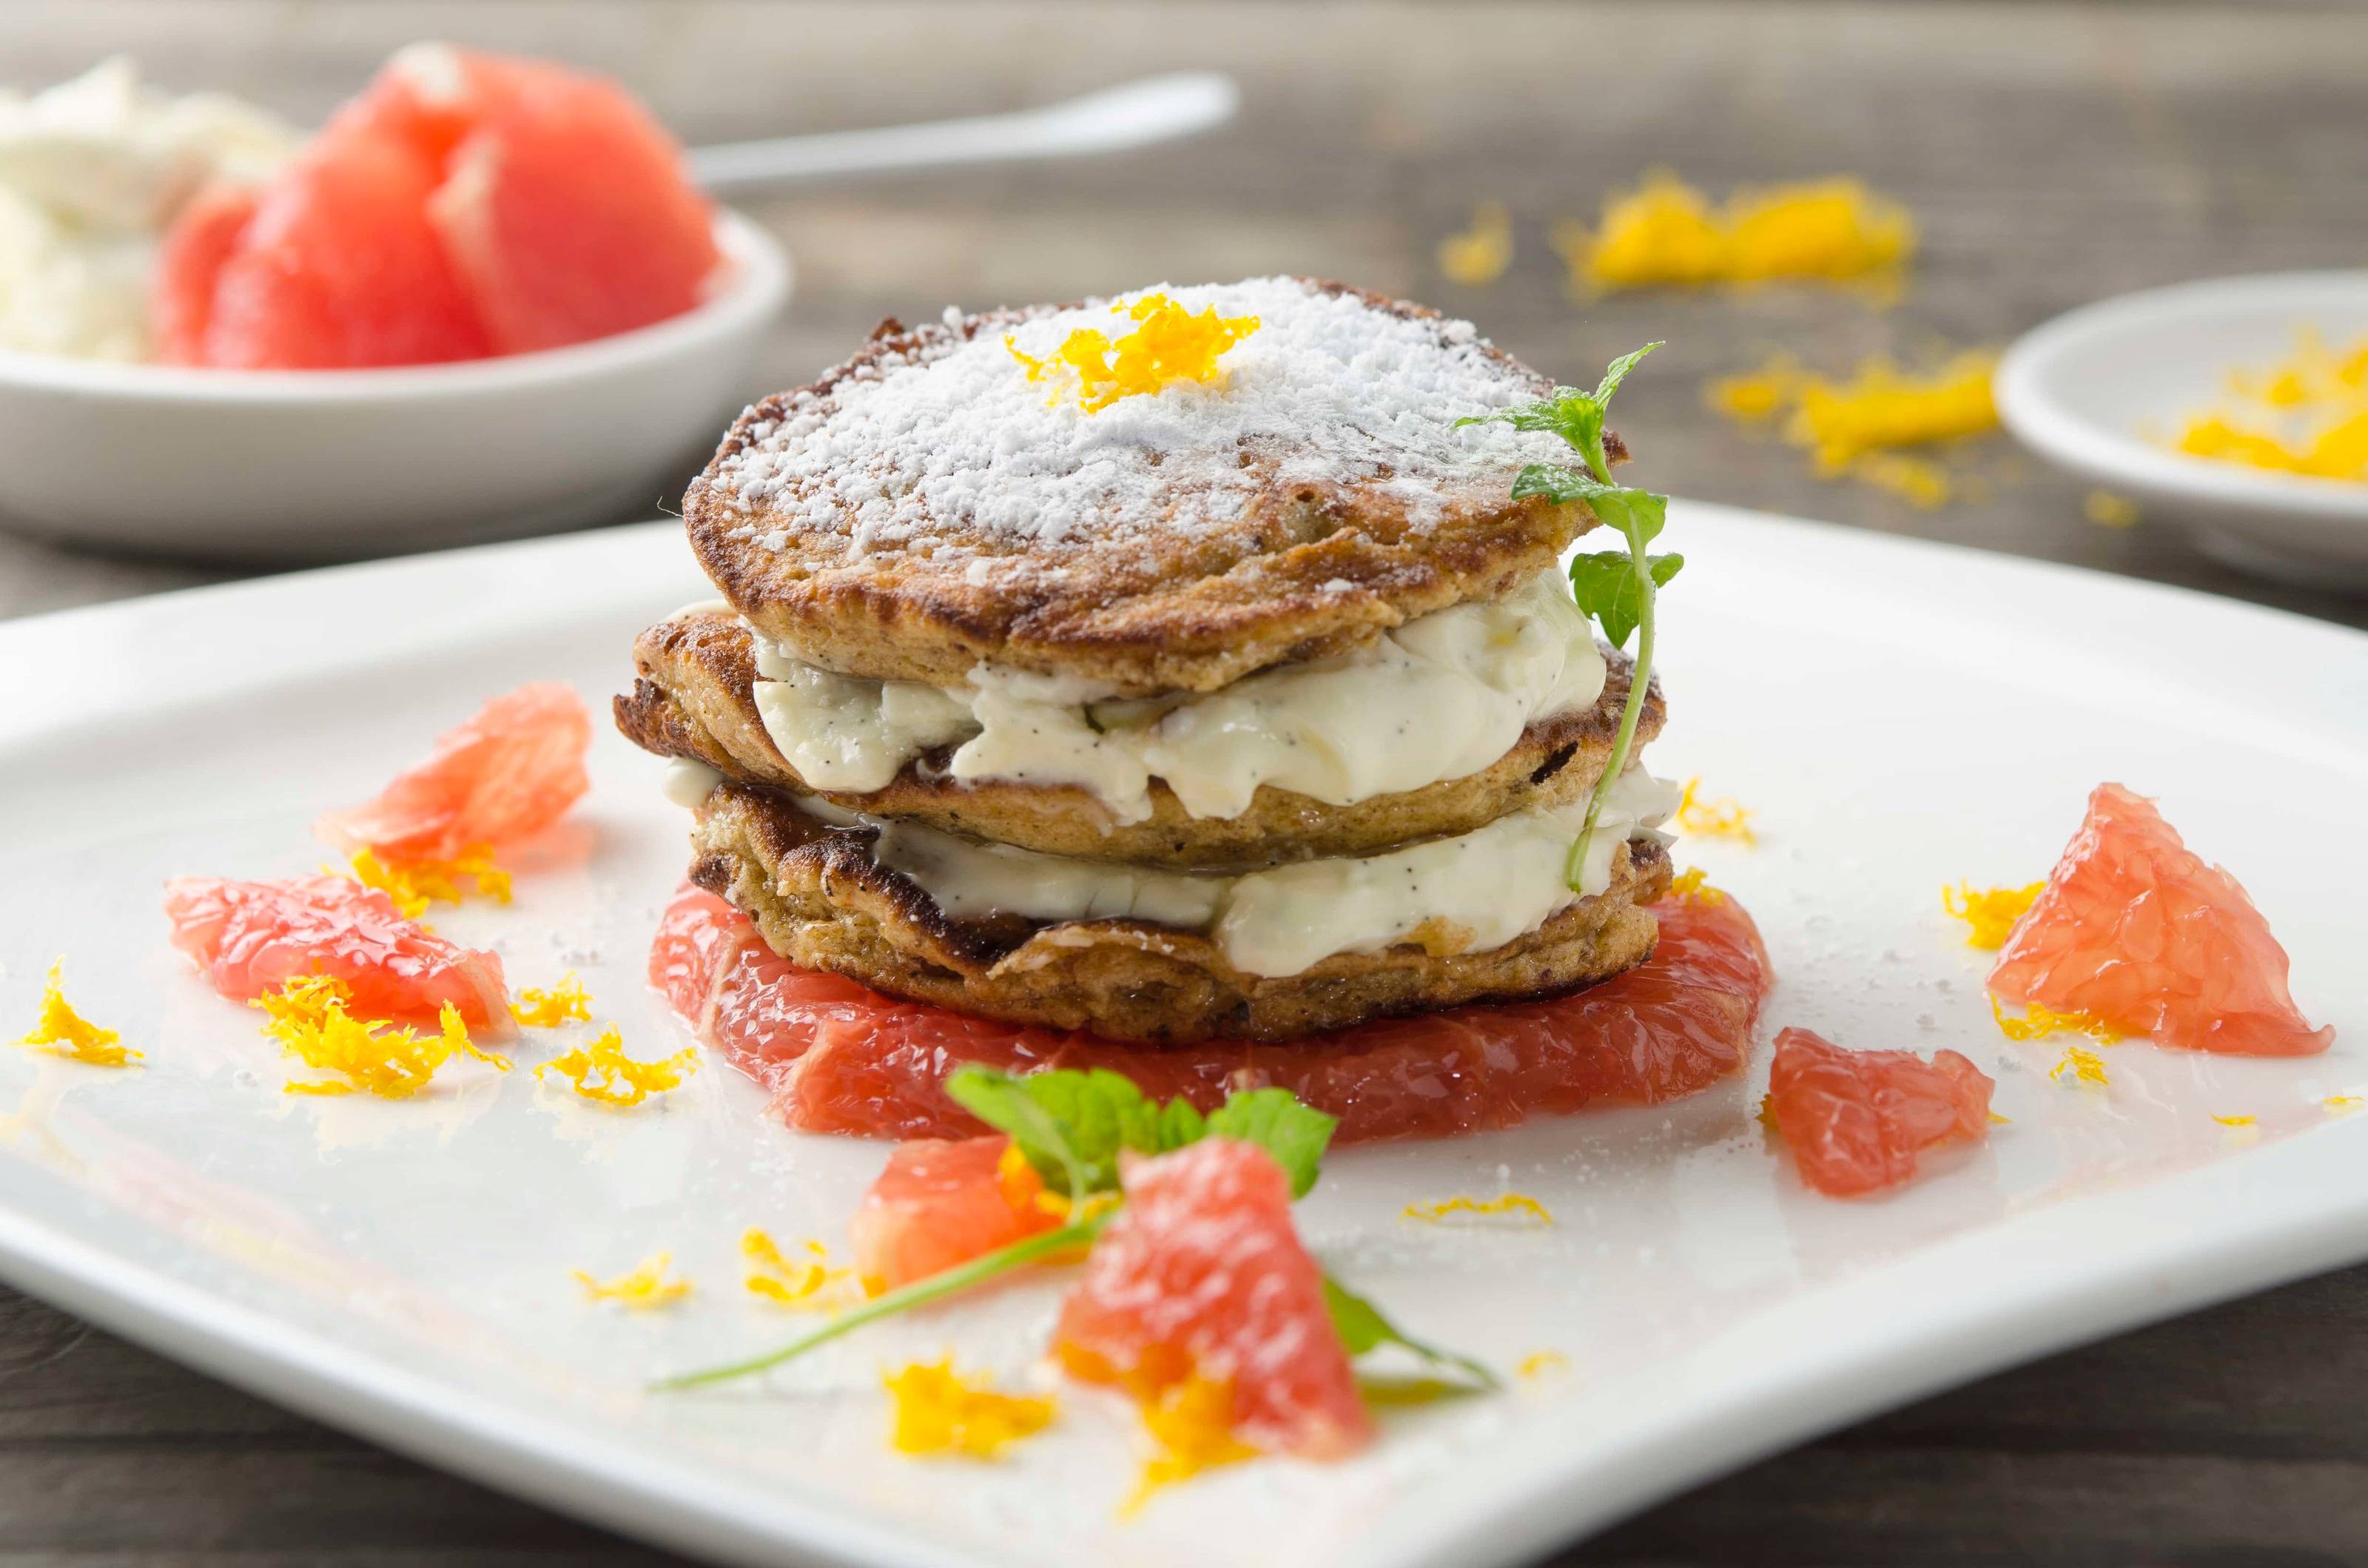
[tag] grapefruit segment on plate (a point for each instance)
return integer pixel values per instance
(942, 1202)
(250, 937)
(508, 772)
(1202, 1277)
(1855, 1121)
(2137, 930)
(188, 265)
(842, 1058)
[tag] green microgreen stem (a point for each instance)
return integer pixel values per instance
(905, 1298)
(1640, 680)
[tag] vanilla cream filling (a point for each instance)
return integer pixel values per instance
(1442, 696)
(1493, 884)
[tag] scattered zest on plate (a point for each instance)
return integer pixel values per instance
(1721, 818)
(807, 1281)
(2038, 1022)
(940, 1412)
(416, 884)
(2081, 1067)
(1503, 1204)
(1989, 913)
(600, 1070)
(642, 1287)
(562, 1002)
(62, 1031)
(1538, 1363)
(308, 1016)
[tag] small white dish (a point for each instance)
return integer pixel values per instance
(403, 1268)
(2100, 390)
(326, 465)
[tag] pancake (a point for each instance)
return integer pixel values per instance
(924, 507)
(821, 900)
(694, 696)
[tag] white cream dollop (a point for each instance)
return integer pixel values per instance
(92, 172)
(1442, 696)
(1494, 883)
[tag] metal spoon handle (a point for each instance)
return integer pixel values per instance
(1155, 109)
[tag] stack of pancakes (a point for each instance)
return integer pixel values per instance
(1248, 707)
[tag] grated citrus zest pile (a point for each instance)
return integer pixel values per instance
(1505, 1203)
(2038, 1021)
(2235, 1121)
(641, 1288)
(808, 1282)
(1479, 255)
(1854, 429)
(2306, 414)
(940, 1412)
(600, 1069)
(2079, 1066)
(1721, 818)
(1169, 343)
(2108, 510)
(541, 1009)
(1537, 1363)
(415, 884)
(307, 1015)
(1193, 1422)
(1690, 883)
(62, 1031)
(1990, 912)
(1666, 232)
(2339, 1105)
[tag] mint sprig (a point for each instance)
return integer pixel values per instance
(1072, 1127)
(1617, 588)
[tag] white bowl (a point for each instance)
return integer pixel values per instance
(320, 465)
(2100, 390)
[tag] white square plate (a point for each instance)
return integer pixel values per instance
(1898, 715)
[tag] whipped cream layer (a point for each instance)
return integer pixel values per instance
(1493, 884)
(1441, 698)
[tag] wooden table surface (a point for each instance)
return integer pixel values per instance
(2052, 155)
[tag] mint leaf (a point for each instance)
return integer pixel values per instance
(1070, 1125)
(1180, 1123)
(1605, 586)
(1275, 1119)
(1617, 373)
(1363, 1328)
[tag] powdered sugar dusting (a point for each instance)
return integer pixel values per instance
(943, 444)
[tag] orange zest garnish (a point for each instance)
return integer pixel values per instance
(940, 1412)
(2340, 1105)
(808, 1282)
(60, 1031)
(307, 1015)
(1721, 818)
(1537, 1363)
(1168, 345)
(2235, 1121)
(2038, 1021)
(642, 1287)
(1193, 1422)
(2079, 1066)
(1690, 885)
(2307, 414)
(600, 1069)
(1478, 257)
(1855, 429)
(1990, 912)
(1505, 1203)
(415, 884)
(543, 1009)
(1665, 234)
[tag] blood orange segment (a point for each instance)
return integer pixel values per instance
(2135, 929)
(1856, 1120)
(1202, 1277)
(338, 268)
(844, 1059)
(942, 1202)
(249, 938)
(188, 266)
(505, 774)
(566, 211)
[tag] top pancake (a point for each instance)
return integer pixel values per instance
(926, 508)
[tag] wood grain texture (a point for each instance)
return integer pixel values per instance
(2052, 154)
